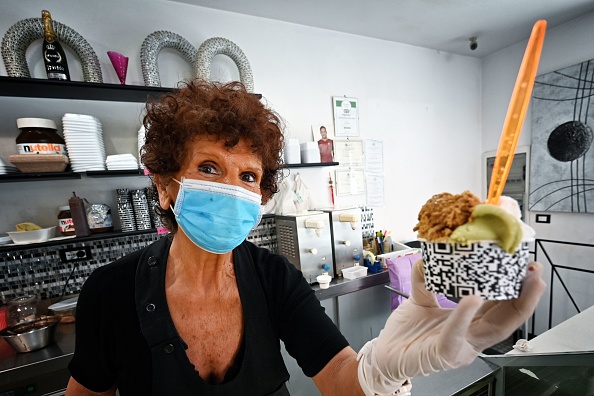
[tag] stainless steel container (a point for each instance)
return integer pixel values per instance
(304, 239)
(32, 334)
(347, 238)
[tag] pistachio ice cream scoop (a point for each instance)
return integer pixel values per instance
(490, 223)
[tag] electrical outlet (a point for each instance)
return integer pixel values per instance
(543, 218)
(75, 254)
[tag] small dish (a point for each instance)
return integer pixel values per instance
(64, 305)
(65, 310)
(354, 272)
(22, 237)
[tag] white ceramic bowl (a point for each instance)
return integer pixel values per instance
(42, 235)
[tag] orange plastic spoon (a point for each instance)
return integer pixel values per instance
(516, 112)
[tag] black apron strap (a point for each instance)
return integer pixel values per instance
(262, 370)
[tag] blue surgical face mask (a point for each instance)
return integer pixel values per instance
(216, 217)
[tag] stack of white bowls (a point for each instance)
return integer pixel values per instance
(84, 141)
(121, 162)
(6, 167)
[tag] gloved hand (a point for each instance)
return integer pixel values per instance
(420, 337)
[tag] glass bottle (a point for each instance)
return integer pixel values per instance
(22, 308)
(54, 58)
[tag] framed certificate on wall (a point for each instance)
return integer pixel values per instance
(346, 116)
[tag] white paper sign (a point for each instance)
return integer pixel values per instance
(375, 190)
(350, 182)
(346, 116)
(374, 156)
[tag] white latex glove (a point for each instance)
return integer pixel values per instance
(420, 337)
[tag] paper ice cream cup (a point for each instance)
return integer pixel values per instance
(482, 268)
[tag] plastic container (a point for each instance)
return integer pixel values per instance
(324, 280)
(32, 236)
(292, 153)
(79, 216)
(39, 136)
(310, 153)
(355, 272)
(65, 310)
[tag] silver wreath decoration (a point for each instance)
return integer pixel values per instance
(219, 45)
(20, 35)
(149, 52)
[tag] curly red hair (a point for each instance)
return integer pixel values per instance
(221, 111)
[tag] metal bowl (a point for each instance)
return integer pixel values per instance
(32, 334)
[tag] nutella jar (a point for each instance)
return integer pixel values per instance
(39, 136)
(65, 222)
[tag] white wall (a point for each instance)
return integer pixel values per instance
(435, 112)
(423, 104)
(564, 45)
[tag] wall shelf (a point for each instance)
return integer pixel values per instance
(32, 177)
(116, 173)
(310, 165)
(29, 177)
(62, 241)
(53, 89)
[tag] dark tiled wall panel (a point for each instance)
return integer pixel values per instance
(42, 272)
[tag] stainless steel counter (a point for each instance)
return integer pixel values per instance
(17, 367)
(456, 382)
(340, 286)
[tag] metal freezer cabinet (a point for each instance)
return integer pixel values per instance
(305, 240)
(347, 238)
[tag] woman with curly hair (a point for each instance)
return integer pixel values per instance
(202, 312)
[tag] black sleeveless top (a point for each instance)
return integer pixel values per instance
(126, 300)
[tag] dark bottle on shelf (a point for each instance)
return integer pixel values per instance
(54, 58)
(79, 216)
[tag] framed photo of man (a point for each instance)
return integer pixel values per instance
(323, 134)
